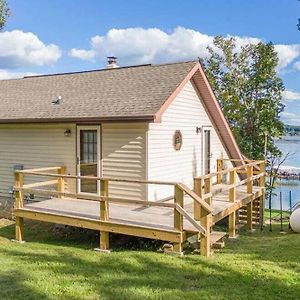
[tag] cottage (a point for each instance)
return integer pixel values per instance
(135, 125)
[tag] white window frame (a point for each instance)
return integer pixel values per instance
(78, 129)
(205, 128)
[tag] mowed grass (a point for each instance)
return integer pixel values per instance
(57, 265)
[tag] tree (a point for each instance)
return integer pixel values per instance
(4, 13)
(249, 91)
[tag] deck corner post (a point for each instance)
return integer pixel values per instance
(198, 183)
(232, 198)
(250, 179)
(61, 181)
(104, 213)
(232, 190)
(219, 170)
(207, 189)
(19, 203)
(205, 245)
(178, 218)
(262, 169)
(250, 191)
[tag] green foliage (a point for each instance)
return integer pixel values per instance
(249, 91)
(4, 13)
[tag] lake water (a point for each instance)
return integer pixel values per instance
(288, 145)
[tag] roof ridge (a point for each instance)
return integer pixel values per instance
(100, 70)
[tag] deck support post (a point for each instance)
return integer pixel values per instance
(61, 181)
(104, 214)
(250, 204)
(178, 218)
(219, 170)
(205, 244)
(262, 169)
(198, 184)
(206, 221)
(232, 198)
(19, 231)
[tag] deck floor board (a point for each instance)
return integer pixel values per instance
(155, 217)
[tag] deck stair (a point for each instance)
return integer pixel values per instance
(189, 212)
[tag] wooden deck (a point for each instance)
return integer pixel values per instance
(137, 215)
(187, 213)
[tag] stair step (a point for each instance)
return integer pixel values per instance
(217, 236)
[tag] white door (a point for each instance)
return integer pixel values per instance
(206, 149)
(88, 158)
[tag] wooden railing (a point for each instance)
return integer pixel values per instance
(104, 199)
(201, 195)
(248, 174)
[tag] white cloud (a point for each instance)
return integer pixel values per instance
(290, 118)
(23, 49)
(286, 54)
(139, 45)
(297, 65)
(288, 96)
(83, 54)
(4, 74)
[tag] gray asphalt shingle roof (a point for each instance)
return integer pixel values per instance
(129, 93)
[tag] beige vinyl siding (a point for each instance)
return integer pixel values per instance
(35, 146)
(124, 156)
(185, 113)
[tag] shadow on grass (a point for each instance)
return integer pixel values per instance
(12, 284)
(141, 276)
(146, 275)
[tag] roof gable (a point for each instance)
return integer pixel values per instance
(212, 106)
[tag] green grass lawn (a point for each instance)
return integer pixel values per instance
(56, 265)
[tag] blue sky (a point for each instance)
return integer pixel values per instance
(62, 35)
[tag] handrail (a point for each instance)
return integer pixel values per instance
(183, 212)
(97, 198)
(227, 170)
(40, 183)
(193, 195)
(46, 169)
(41, 174)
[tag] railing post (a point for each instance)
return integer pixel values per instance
(19, 180)
(207, 189)
(262, 170)
(250, 191)
(232, 198)
(178, 218)
(219, 170)
(104, 214)
(198, 183)
(61, 181)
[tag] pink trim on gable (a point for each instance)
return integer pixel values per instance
(212, 105)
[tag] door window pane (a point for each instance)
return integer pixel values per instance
(88, 160)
